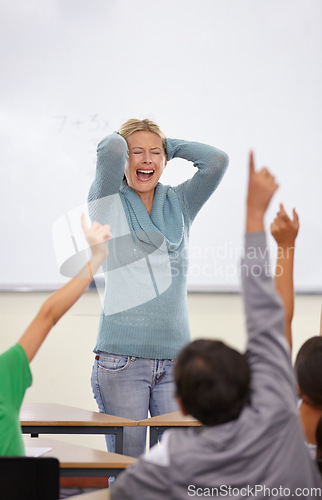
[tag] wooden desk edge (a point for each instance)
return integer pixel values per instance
(104, 494)
(70, 423)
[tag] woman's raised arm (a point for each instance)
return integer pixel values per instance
(112, 153)
(211, 163)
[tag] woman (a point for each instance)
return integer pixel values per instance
(144, 321)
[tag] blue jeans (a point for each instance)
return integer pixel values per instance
(128, 387)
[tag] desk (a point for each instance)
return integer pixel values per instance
(162, 422)
(52, 418)
(75, 460)
(104, 494)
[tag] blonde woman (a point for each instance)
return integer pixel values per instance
(144, 320)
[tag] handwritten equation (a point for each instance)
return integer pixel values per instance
(92, 123)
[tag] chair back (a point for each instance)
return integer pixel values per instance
(29, 478)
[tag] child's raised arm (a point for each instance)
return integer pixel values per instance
(285, 230)
(61, 300)
(261, 187)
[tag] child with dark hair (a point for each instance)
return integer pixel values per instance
(308, 368)
(211, 375)
(318, 437)
(308, 363)
(252, 442)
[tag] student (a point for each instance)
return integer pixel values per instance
(308, 368)
(15, 372)
(319, 444)
(251, 443)
(308, 362)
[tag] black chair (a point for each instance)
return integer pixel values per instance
(28, 478)
(319, 463)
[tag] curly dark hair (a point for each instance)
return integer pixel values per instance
(308, 367)
(212, 381)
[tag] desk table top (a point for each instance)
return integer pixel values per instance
(103, 494)
(73, 456)
(38, 414)
(173, 419)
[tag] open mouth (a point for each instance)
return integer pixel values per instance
(144, 175)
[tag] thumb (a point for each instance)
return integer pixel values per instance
(295, 217)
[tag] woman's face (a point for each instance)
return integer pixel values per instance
(146, 161)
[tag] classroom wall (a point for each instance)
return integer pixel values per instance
(238, 75)
(62, 368)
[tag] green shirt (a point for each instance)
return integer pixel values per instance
(15, 378)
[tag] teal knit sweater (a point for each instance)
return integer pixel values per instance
(145, 302)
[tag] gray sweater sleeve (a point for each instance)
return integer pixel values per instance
(149, 478)
(273, 382)
(144, 481)
(112, 153)
(211, 164)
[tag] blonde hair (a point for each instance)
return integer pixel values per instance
(134, 125)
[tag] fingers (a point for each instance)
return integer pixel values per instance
(96, 225)
(275, 187)
(261, 188)
(96, 229)
(264, 172)
(282, 216)
(84, 224)
(296, 217)
(281, 219)
(251, 163)
(278, 224)
(282, 209)
(106, 232)
(101, 231)
(268, 177)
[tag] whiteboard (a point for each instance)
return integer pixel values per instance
(236, 75)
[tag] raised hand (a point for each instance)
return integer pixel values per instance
(284, 229)
(261, 187)
(96, 236)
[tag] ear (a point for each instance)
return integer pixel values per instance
(182, 408)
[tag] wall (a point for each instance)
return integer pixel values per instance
(236, 75)
(62, 368)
